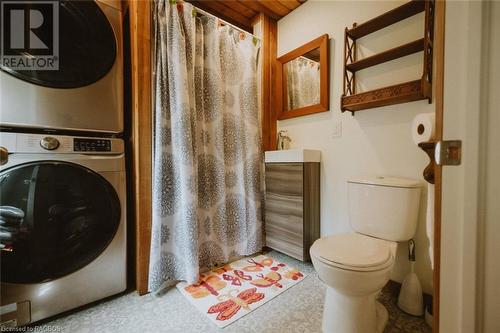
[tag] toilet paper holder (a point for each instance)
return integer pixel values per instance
(429, 147)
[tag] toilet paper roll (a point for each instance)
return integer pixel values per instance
(423, 127)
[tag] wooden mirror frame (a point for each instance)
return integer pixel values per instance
(281, 93)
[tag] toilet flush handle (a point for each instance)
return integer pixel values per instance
(411, 250)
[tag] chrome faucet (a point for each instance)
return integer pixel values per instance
(283, 140)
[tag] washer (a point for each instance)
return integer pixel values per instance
(62, 224)
(86, 93)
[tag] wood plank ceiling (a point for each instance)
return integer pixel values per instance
(242, 12)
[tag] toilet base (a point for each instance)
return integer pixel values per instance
(382, 316)
(353, 314)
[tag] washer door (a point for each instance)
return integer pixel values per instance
(87, 47)
(55, 218)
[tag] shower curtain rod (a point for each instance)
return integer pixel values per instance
(201, 11)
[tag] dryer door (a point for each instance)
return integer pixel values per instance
(87, 47)
(55, 218)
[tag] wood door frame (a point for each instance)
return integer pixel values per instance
(142, 135)
(439, 39)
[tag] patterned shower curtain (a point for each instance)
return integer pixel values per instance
(303, 82)
(207, 169)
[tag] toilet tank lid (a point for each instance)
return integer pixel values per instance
(386, 181)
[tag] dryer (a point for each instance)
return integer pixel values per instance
(86, 93)
(62, 224)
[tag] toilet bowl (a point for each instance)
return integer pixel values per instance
(355, 266)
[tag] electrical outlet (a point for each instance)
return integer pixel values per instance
(337, 129)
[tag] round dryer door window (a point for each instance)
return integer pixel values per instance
(55, 218)
(86, 43)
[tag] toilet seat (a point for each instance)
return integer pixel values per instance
(353, 251)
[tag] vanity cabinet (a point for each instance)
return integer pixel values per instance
(292, 205)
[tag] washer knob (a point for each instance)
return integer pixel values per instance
(4, 155)
(49, 143)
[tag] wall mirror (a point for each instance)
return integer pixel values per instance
(302, 78)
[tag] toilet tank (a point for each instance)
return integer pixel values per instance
(384, 207)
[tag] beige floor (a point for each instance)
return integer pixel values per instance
(298, 309)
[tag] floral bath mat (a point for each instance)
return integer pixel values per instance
(227, 293)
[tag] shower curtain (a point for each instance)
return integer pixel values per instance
(207, 168)
(303, 83)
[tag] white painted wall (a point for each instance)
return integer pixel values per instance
(376, 141)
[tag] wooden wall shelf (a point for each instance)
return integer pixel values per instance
(394, 53)
(393, 16)
(399, 93)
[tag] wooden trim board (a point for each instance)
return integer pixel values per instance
(269, 50)
(439, 36)
(142, 134)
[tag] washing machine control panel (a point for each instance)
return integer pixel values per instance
(58, 144)
(88, 144)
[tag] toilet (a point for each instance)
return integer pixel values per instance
(356, 266)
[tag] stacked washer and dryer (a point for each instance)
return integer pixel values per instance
(62, 178)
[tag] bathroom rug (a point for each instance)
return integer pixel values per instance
(227, 293)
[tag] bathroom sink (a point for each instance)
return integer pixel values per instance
(292, 155)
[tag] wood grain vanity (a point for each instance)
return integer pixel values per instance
(292, 221)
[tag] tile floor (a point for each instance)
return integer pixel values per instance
(298, 309)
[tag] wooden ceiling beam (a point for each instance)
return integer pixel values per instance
(290, 4)
(225, 13)
(243, 12)
(275, 6)
(255, 5)
(239, 7)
